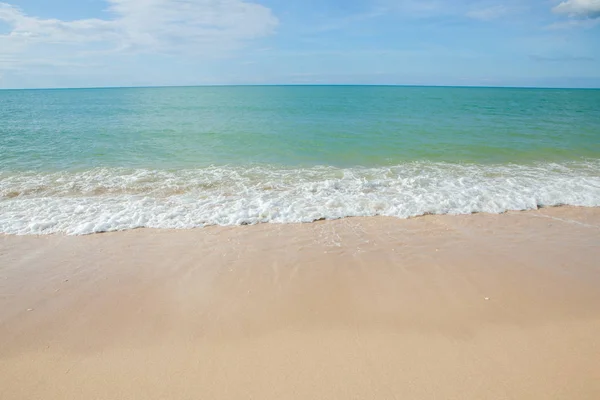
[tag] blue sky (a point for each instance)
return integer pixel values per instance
(89, 43)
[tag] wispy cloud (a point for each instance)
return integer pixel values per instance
(574, 23)
(414, 8)
(196, 26)
(28, 30)
(167, 25)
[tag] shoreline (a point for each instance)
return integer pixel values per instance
(482, 305)
(427, 215)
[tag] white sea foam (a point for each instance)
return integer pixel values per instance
(102, 200)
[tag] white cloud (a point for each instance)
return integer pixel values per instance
(580, 13)
(579, 8)
(26, 29)
(190, 26)
(489, 13)
(167, 25)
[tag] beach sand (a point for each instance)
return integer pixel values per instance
(437, 307)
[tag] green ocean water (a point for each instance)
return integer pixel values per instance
(294, 125)
(88, 160)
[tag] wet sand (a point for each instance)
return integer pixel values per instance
(437, 307)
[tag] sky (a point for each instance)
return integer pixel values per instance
(97, 43)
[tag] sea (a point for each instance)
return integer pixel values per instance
(81, 161)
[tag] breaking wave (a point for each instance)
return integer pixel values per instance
(111, 199)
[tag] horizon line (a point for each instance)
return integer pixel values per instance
(303, 84)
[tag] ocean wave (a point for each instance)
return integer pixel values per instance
(111, 199)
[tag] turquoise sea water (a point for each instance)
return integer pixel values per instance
(88, 160)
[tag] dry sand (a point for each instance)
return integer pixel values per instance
(438, 307)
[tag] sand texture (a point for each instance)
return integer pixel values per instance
(438, 307)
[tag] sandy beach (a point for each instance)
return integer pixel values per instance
(438, 307)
